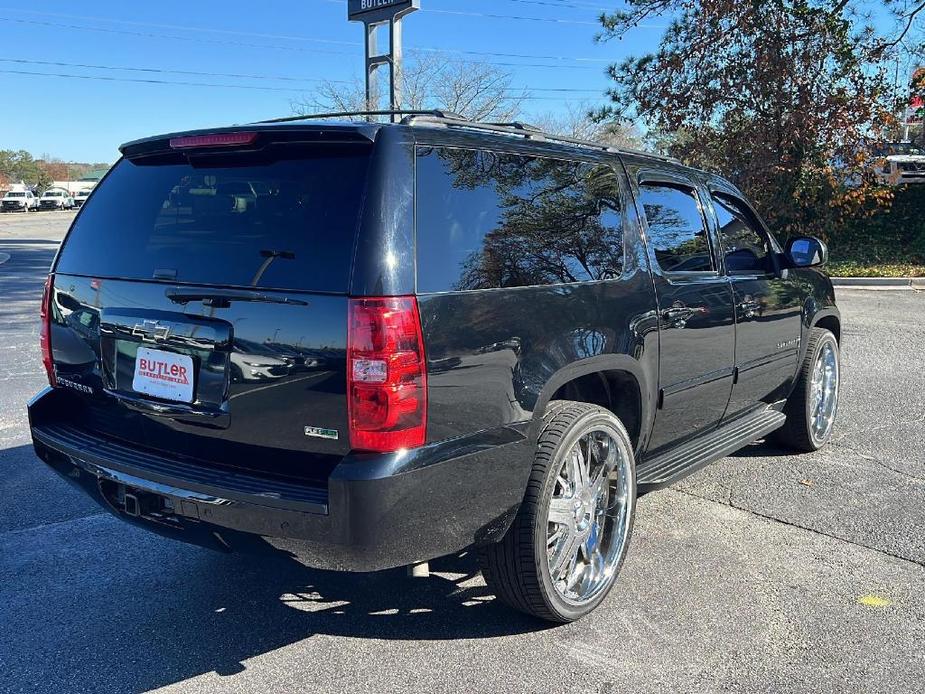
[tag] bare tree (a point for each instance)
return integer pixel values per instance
(474, 90)
(576, 121)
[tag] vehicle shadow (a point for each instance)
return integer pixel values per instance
(135, 612)
(762, 448)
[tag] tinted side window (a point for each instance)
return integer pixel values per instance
(488, 220)
(744, 245)
(677, 232)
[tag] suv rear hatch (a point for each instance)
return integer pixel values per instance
(199, 302)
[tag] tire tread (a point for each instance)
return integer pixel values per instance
(509, 567)
(795, 431)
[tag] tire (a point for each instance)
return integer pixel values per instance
(803, 430)
(518, 568)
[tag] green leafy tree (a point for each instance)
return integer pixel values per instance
(21, 166)
(782, 96)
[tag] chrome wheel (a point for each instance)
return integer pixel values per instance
(823, 402)
(589, 515)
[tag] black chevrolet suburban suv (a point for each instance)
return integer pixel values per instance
(372, 344)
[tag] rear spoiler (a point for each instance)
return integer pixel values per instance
(262, 136)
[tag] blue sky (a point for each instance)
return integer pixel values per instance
(86, 119)
(59, 113)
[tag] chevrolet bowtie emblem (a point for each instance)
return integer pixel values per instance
(151, 331)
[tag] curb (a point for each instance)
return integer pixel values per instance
(4, 257)
(879, 282)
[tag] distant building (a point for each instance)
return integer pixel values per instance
(94, 176)
(72, 187)
(7, 186)
(85, 182)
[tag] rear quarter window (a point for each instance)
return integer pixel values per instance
(285, 219)
(488, 220)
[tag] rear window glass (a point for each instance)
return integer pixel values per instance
(250, 220)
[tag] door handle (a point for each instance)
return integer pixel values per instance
(678, 314)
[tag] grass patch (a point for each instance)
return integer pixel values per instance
(890, 243)
(851, 268)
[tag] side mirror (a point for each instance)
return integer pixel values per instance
(807, 251)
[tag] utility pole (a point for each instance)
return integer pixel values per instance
(375, 15)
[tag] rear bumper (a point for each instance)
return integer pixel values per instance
(376, 512)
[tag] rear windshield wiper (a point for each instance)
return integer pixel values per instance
(222, 298)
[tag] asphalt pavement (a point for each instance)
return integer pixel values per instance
(764, 572)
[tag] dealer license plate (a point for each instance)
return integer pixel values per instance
(163, 375)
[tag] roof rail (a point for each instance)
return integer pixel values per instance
(518, 125)
(449, 119)
(368, 114)
(524, 130)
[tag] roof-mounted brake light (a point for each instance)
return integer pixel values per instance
(214, 140)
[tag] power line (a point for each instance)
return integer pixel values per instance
(513, 55)
(570, 5)
(211, 30)
(491, 15)
(192, 39)
(24, 61)
(143, 81)
(278, 47)
(185, 83)
(265, 36)
(167, 71)
(126, 32)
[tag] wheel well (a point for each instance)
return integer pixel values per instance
(831, 324)
(617, 391)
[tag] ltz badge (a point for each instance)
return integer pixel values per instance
(319, 433)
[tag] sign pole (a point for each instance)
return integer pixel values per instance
(395, 64)
(376, 14)
(372, 50)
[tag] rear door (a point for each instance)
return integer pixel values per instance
(696, 325)
(200, 304)
(768, 305)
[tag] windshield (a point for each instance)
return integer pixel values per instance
(285, 219)
(15, 195)
(53, 194)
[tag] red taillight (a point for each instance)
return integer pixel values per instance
(45, 331)
(386, 375)
(214, 140)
